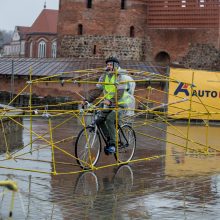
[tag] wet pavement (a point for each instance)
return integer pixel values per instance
(173, 186)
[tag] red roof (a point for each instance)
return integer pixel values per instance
(22, 30)
(46, 22)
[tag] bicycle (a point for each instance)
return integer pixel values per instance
(88, 143)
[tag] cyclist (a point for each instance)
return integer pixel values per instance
(125, 99)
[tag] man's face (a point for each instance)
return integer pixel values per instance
(109, 66)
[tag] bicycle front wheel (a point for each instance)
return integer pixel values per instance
(126, 144)
(88, 147)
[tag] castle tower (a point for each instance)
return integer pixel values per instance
(99, 28)
(140, 30)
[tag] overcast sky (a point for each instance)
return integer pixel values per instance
(22, 12)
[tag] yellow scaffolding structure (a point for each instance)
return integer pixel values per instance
(90, 76)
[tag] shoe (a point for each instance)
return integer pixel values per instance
(110, 149)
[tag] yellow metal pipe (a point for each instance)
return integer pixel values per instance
(10, 185)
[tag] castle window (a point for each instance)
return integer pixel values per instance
(123, 4)
(201, 3)
(94, 49)
(89, 3)
(132, 31)
(42, 49)
(80, 29)
(166, 3)
(183, 3)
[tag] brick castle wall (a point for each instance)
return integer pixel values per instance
(104, 18)
(105, 29)
(103, 46)
(177, 42)
(158, 27)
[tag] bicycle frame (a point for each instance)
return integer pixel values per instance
(102, 134)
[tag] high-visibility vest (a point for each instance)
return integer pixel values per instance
(110, 89)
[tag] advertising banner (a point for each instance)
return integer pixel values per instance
(194, 94)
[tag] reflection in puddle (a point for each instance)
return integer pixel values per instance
(180, 185)
(180, 160)
(10, 136)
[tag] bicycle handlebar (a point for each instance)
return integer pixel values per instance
(90, 105)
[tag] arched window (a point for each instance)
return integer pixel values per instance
(80, 29)
(183, 3)
(89, 3)
(162, 58)
(54, 49)
(31, 50)
(123, 4)
(132, 31)
(42, 49)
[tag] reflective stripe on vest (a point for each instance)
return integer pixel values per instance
(109, 91)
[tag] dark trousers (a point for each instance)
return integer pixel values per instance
(106, 121)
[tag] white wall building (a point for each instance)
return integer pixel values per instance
(17, 46)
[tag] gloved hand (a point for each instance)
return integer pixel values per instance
(107, 102)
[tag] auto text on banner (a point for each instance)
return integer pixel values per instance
(200, 89)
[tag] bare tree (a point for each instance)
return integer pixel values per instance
(5, 37)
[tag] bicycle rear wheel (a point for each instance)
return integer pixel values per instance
(88, 147)
(123, 179)
(126, 144)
